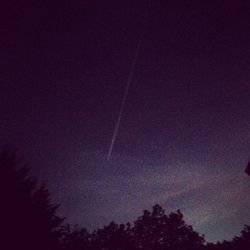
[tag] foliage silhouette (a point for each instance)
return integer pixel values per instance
(153, 230)
(241, 242)
(28, 219)
(75, 238)
(156, 230)
(113, 237)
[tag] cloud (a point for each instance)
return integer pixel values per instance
(119, 190)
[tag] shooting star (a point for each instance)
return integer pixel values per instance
(130, 78)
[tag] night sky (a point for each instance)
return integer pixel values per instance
(184, 138)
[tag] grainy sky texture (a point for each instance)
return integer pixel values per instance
(184, 138)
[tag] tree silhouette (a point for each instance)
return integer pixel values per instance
(156, 230)
(225, 245)
(242, 241)
(75, 238)
(113, 237)
(152, 231)
(28, 219)
(247, 170)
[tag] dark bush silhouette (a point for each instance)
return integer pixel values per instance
(28, 219)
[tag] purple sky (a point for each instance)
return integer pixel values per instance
(184, 138)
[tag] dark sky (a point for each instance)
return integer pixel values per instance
(184, 138)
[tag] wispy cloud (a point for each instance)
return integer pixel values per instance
(205, 195)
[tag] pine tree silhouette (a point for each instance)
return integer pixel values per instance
(28, 219)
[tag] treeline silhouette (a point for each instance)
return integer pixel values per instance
(29, 222)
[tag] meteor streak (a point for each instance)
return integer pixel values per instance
(130, 78)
